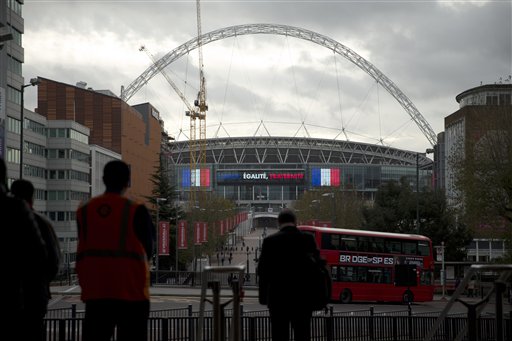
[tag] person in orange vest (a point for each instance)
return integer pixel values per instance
(115, 241)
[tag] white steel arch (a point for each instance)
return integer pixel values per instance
(295, 32)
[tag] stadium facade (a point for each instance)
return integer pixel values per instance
(268, 173)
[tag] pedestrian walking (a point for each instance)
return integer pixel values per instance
(22, 260)
(36, 307)
(282, 280)
(115, 241)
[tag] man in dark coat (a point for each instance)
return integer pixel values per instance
(35, 309)
(22, 257)
(282, 281)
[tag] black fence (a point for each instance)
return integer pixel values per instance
(328, 327)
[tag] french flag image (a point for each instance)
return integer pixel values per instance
(196, 177)
(325, 177)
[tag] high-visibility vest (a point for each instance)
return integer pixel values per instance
(111, 260)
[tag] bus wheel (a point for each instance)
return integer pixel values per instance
(346, 296)
(407, 297)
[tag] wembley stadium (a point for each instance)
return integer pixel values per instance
(268, 173)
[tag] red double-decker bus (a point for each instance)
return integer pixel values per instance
(376, 266)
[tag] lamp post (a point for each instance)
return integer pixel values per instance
(176, 257)
(427, 151)
(247, 261)
(33, 82)
(331, 194)
(158, 200)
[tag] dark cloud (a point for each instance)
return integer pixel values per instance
(431, 50)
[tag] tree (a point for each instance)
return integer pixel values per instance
(342, 207)
(167, 209)
(394, 210)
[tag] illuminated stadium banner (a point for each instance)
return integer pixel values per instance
(195, 177)
(329, 177)
(262, 177)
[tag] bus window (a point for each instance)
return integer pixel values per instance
(332, 242)
(377, 245)
(394, 246)
(327, 241)
(386, 276)
(363, 244)
(423, 249)
(336, 242)
(362, 274)
(334, 273)
(375, 275)
(346, 274)
(409, 247)
(349, 243)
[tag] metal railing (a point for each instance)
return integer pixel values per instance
(472, 328)
(325, 328)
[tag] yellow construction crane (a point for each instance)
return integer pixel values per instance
(197, 113)
(198, 146)
(169, 80)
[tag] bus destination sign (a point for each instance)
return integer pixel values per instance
(359, 259)
(380, 260)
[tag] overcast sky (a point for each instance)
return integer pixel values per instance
(432, 50)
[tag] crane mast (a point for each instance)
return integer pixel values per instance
(198, 146)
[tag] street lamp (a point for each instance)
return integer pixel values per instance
(247, 262)
(33, 82)
(331, 194)
(158, 200)
(428, 151)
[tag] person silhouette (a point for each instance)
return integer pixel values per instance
(35, 309)
(115, 241)
(23, 258)
(282, 278)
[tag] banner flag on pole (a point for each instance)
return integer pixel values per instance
(163, 240)
(204, 234)
(197, 233)
(182, 234)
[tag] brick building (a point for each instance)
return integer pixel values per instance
(114, 125)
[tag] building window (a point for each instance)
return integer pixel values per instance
(13, 155)
(14, 5)
(13, 125)
(75, 135)
(14, 95)
(61, 215)
(505, 99)
(79, 156)
(34, 149)
(39, 194)
(491, 100)
(37, 128)
(33, 171)
(16, 35)
(14, 65)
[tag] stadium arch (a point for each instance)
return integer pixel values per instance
(295, 32)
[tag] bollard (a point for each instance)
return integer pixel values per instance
(217, 313)
(235, 326)
(371, 331)
(500, 288)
